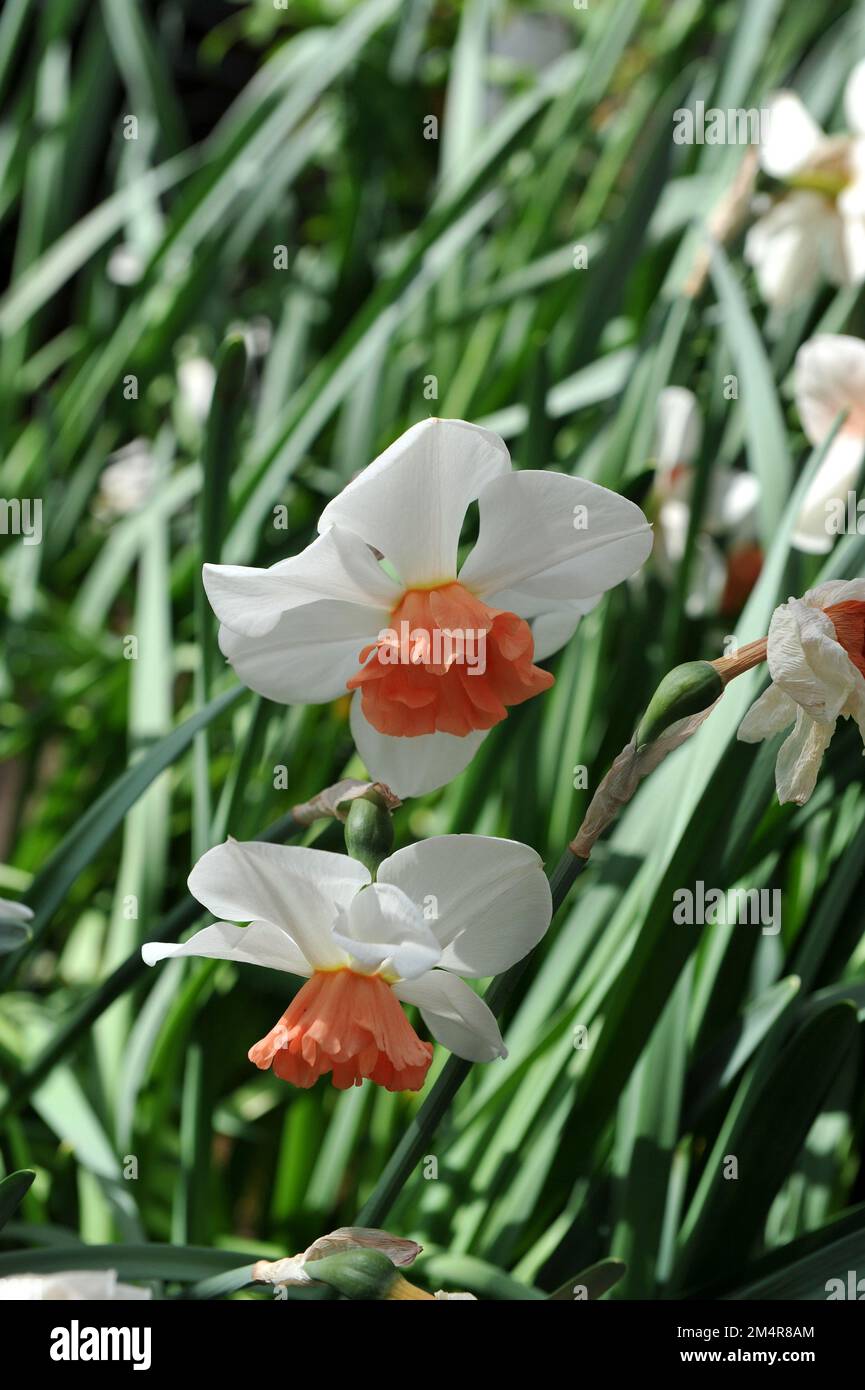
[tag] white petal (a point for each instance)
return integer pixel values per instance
(678, 429)
(829, 380)
(793, 137)
(835, 591)
(71, 1285)
(853, 251)
(534, 538)
(799, 759)
(732, 501)
(785, 247)
(412, 766)
(261, 943)
(854, 99)
(14, 912)
(383, 927)
(410, 502)
(554, 629)
(770, 713)
(806, 660)
(309, 655)
(455, 1016)
(338, 565)
(298, 889)
(490, 897)
(816, 525)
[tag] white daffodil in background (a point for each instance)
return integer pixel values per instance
(436, 655)
(829, 380)
(816, 656)
(14, 920)
(456, 905)
(87, 1285)
(727, 558)
(817, 227)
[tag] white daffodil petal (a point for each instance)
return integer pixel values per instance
(828, 381)
(732, 502)
(338, 565)
(770, 713)
(410, 502)
(784, 247)
(823, 515)
(411, 766)
(553, 630)
(310, 654)
(382, 926)
(553, 536)
(792, 139)
(799, 759)
(261, 943)
(455, 1016)
(678, 429)
(14, 912)
(807, 661)
(854, 99)
(298, 889)
(490, 898)
(71, 1285)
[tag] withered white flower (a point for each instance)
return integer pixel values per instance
(817, 228)
(816, 656)
(314, 626)
(829, 381)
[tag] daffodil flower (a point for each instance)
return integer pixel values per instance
(816, 656)
(829, 381)
(722, 574)
(435, 654)
(817, 227)
(452, 906)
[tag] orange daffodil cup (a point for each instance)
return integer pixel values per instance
(435, 654)
(452, 906)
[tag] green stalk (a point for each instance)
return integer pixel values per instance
(415, 1141)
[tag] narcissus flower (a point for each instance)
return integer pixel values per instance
(817, 227)
(456, 905)
(727, 558)
(830, 381)
(816, 656)
(436, 654)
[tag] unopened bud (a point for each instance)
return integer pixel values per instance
(366, 1274)
(686, 690)
(369, 831)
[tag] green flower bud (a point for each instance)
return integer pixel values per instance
(686, 690)
(369, 831)
(367, 1274)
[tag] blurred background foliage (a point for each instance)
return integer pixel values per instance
(281, 190)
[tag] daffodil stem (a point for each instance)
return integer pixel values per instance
(415, 1141)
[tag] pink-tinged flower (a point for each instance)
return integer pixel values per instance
(456, 905)
(829, 381)
(368, 606)
(816, 656)
(816, 228)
